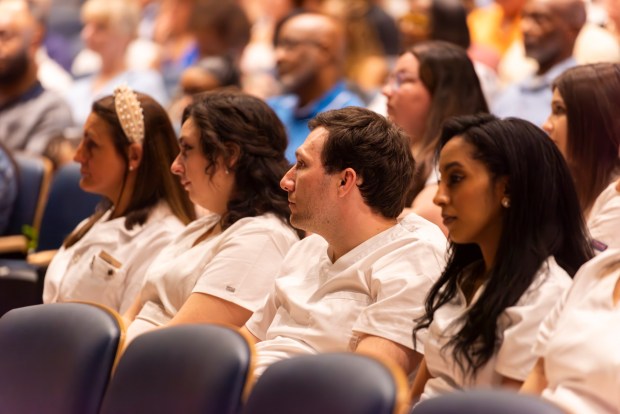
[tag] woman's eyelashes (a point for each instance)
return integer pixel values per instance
(454, 178)
(185, 148)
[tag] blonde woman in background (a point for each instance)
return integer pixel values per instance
(109, 28)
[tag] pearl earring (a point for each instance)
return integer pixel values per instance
(505, 202)
(131, 168)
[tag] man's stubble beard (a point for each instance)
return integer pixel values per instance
(14, 68)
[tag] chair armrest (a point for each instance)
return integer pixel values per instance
(42, 258)
(14, 244)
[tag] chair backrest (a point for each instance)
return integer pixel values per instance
(485, 402)
(34, 175)
(334, 383)
(19, 285)
(66, 206)
(57, 358)
(188, 369)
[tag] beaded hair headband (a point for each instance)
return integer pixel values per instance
(129, 113)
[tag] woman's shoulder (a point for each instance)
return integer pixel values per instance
(550, 280)
(610, 195)
(162, 211)
(269, 223)
(596, 268)
(551, 272)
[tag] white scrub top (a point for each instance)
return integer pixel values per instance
(108, 264)
(604, 220)
(518, 325)
(377, 289)
(580, 341)
(237, 265)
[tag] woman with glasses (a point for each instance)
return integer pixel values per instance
(431, 82)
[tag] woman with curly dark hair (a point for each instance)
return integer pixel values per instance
(221, 268)
(517, 237)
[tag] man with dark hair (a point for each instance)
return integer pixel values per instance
(310, 56)
(30, 116)
(550, 29)
(359, 282)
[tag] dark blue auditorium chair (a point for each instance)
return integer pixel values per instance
(486, 402)
(189, 369)
(34, 174)
(334, 383)
(57, 358)
(66, 206)
(21, 280)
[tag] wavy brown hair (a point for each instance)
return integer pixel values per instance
(233, 123)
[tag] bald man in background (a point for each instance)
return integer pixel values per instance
(550, 29)
(30, 116)
(310, 54)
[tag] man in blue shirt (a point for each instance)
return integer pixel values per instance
(310, 53)
(550, 29)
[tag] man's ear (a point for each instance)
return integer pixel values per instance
(38, 35)
(348, 181)
(135, 156)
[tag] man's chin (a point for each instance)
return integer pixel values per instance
(297, 222)
(540, 56)
(10, 78)
(289, 84)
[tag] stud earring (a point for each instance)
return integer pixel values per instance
(226, 171)
(505, 202)
(131, 168)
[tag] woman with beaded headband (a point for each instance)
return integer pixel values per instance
(222, 267)
(516, 238)
(127, 147)
(585, 126)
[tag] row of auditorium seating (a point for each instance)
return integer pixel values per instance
(64, 358)
(48, 203)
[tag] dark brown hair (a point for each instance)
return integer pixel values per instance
(450, 78)
(376, 149)
(591, 94)
(235, 124)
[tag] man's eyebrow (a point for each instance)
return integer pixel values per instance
(300, 153)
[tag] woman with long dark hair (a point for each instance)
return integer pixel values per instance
(516, 238)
